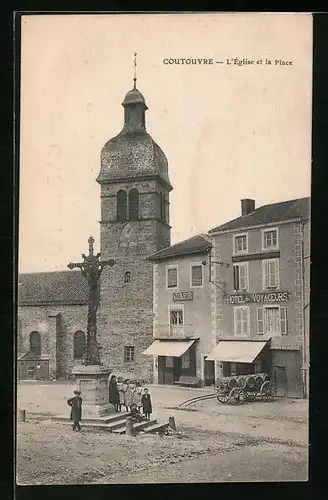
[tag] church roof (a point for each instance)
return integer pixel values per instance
(52, 288)
(270, 214)
(133, 153)
(196, 244)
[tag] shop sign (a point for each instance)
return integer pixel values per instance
(178, 296)
(260, 298)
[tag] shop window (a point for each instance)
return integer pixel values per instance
(241, 320)
(240, 244)
(127, 277)
(168, 362)
(176, 316)
(196, 275)
(270, 239)
(272, 320)
(171, 277)
(240, 276)
(185, 361)
(35, 343)
(121, 205)
(270, 270)
(134, 204)
(129, 354)
(79, 344)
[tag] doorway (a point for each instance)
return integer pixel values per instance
(280, 380)
(176, 369)
(209, 372)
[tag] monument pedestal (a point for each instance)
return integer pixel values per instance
(92, 381)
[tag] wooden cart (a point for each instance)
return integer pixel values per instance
(236, 389)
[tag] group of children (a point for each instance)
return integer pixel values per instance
(121, 394)
(129, 394)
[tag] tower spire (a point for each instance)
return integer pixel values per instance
(135, 71)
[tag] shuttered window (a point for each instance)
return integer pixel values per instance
(240, 276)
(272, 320)
(241, 321)
(134, 204)
(270, 270)
(171, 277)
(197, 275)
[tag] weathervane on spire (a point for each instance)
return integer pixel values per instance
(135, 71)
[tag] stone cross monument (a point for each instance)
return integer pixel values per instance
(92, 376)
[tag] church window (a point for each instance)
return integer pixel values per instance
(121, 205)
(134, 204)
(162, 207)
(79, 344)
(35, 342)
(127, 277)
(128, 354)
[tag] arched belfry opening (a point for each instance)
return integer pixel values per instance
(134, 204)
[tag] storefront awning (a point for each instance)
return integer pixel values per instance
(236, 352)
(168, 348)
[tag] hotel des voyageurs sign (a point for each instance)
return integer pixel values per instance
(260, 297)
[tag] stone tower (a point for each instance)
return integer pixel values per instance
(135, 191)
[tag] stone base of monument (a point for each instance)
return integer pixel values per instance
(92, 381)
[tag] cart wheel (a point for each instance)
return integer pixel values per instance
(223, 397)
(236, 396)
(250, 396)
(267, 391)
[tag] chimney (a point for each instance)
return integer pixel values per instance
(247, 206)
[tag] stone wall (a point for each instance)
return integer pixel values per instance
(56, 326)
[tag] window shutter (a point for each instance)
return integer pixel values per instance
(260, 321)
(266, 274)
(172, 278)
(244, 277)
(236, 277)
(277, 273)
(197, 276)
(248, 315)
(283, 320)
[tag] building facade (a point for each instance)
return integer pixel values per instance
(261, 264)
(134, 224)
(236, 301)
(182, 314)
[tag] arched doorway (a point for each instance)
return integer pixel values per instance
(35, 342)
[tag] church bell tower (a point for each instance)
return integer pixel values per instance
(134, 222)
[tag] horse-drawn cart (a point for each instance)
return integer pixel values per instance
(236, 389)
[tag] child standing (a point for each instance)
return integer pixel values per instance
(120, 392)
(146, 404)
(76, 412)
(137, 394)
(128, 389)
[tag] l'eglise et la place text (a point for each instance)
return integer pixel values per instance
(264, 61)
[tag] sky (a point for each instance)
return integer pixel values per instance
(229, 131)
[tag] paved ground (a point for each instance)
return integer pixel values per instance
(215, 442)
(283, 421)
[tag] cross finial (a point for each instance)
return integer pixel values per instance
(135, 71)
(91, 242)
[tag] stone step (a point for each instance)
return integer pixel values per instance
(136, 427)
(156, 427)
(107, 419)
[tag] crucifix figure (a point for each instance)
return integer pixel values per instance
(91, 269)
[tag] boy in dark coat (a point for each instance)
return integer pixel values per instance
(114, 396)
(76, 412)
(146, 404)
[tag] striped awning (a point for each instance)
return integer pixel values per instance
(236, 351)
(168, 348)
